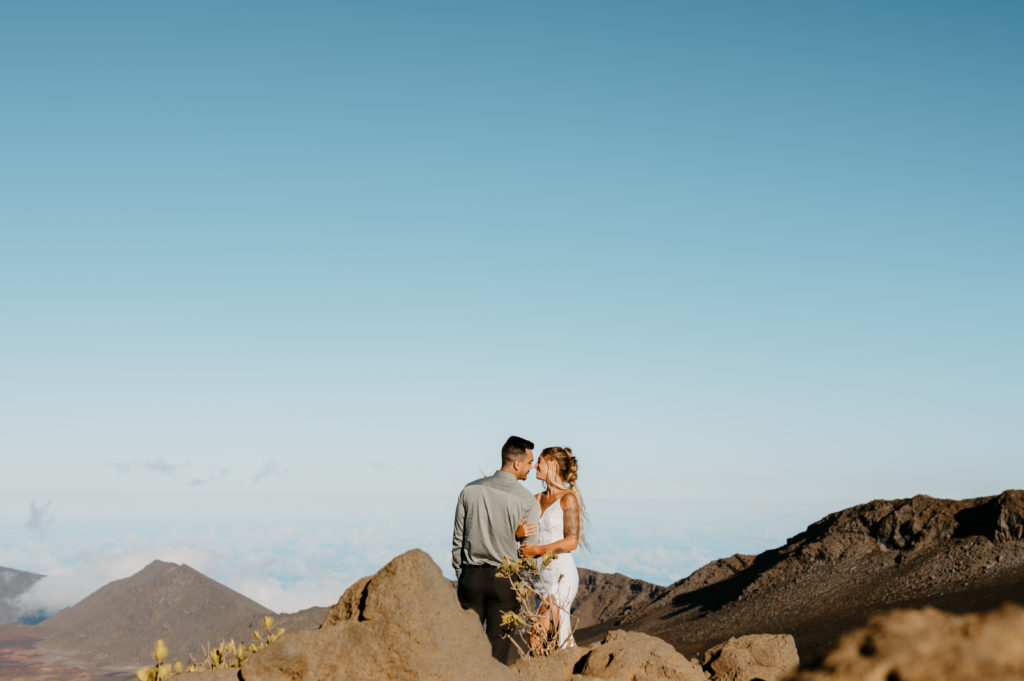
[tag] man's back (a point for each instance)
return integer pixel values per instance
(488, 512)
(486, 518)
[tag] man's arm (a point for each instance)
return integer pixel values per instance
(457, 536)
(531, 515)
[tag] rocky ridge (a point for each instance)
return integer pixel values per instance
(961, 555)
(606, 597)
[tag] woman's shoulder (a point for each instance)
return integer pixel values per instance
(568, 500)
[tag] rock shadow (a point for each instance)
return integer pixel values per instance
(714, 596)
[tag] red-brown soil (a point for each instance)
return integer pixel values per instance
(21, 660)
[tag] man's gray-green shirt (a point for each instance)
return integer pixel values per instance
(486, 518)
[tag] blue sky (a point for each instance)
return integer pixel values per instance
(277, 280)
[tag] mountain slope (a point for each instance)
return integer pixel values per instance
(957, 555)
(119, 623)
(604, 596)
(14, 583)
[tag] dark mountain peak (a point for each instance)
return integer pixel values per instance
(909, 524)
(162, 565)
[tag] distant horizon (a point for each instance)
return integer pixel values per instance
(32, 600)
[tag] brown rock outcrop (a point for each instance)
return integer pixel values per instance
(558, 666)
(768, 657)
(929, 645)
(622, 656)
(404, 623)
(632, 656)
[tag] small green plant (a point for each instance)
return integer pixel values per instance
(228, 654)
(531, 629)
(160, 670)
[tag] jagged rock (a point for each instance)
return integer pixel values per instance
(929, 645)
(349, 607)
(1010, 519)
(558, 666)
(403, 624)
(768, 657)
(632, 656)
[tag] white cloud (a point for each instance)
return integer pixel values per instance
(289, 553)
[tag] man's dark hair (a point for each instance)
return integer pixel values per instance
(515, 448)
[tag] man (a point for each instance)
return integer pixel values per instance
(492, 515)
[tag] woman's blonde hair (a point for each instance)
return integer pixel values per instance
(567, 467)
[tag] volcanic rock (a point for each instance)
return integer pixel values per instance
(758, 656)
(632, 656)
(929, 645)
(558, 666)
(621, 656)
(405, 622)
(960, 555)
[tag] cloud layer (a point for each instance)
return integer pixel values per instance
(291, 554)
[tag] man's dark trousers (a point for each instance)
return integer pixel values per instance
(486, 594)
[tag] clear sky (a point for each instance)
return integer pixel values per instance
(277, 279)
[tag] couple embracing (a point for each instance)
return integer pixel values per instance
(497, 517)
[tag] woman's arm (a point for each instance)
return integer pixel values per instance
(571, 530)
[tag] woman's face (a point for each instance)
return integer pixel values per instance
(542, 469)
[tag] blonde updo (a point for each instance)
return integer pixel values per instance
(563, 461)
(566, 467)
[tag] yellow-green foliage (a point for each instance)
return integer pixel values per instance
(159, 671)
(227, 654)
(531, 625)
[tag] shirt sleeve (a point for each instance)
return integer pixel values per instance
(532, 514)
(458, 536)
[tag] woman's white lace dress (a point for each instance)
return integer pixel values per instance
(560, 578)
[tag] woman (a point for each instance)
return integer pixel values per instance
(559, 531)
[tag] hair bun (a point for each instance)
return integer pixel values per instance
(573, 467)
